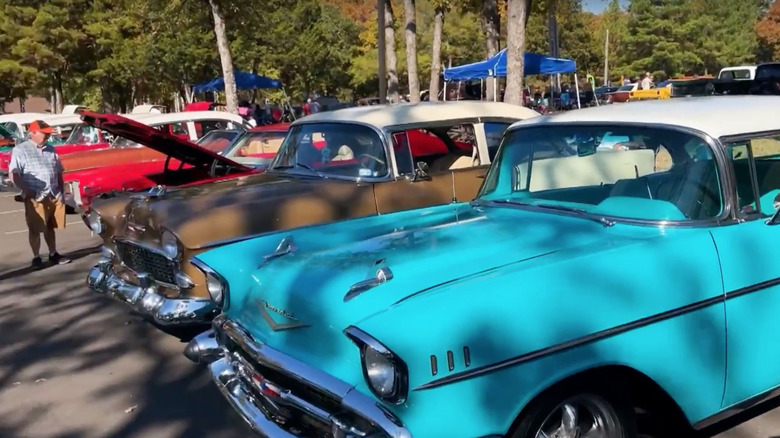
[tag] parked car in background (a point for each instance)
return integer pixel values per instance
(332, 166)
(135, 162)
(585, 292)
(622, 94)
(738, 73)
(258, 146)
(219, 139)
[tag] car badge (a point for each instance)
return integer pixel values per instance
(291, 322)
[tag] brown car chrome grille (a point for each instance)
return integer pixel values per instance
(143, 260)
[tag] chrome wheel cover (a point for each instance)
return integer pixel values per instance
(582, 416)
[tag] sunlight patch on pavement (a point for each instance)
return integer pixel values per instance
(12, 211)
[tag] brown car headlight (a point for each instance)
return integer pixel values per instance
(95, 222)
(385, 373)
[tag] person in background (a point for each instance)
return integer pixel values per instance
(647, 82)
(36, 170)
(314, 106)
(306, 108)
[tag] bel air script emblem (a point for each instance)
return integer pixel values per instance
(290, 321)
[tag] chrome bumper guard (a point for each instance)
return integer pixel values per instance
(316, 404)
(145, 299)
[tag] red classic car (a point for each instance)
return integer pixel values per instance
(166, 160)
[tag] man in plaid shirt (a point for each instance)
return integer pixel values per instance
(36, 170)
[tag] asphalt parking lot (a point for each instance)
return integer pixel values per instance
(75, 364)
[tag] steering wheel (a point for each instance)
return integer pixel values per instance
(364, 163)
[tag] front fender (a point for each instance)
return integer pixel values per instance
(501, 338)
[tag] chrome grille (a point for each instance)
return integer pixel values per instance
(143, 260)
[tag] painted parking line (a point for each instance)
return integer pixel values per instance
(12, 211)
(25, 230)
(8, 195)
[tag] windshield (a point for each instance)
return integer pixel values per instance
(256, 149)
(620, 172)
(628, 87)
(84, 134)
(333, 149)
(217, 141)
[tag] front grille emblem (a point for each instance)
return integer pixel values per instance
(290, 321)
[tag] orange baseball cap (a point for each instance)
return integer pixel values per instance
(40, 126)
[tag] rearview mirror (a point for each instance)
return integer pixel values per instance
(586, 149)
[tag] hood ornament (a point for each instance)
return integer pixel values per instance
(286, 246)
(291, 323)
(382, 275)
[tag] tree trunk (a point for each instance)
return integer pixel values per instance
(438, 25)
(517, 16)
(231, 97)
(392, 71)
(411, 50)
(58, 104)
(491, 23)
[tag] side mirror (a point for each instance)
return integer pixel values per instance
(775, 219)
(421, 172)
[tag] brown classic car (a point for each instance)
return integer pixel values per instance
(332, 166)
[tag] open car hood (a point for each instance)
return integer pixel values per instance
(170, 145)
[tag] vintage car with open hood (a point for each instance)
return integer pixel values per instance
(618, 291)
(181, 163)
(332, 166)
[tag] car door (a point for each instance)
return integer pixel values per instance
(751, 271)
(436, 165)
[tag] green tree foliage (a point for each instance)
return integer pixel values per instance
(676, 37)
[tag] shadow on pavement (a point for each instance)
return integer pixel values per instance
(74, 255)
(77, 364)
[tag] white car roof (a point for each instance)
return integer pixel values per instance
(159, 119)
(23, 118)
(384, 116)
(717, 116)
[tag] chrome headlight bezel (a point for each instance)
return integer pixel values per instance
(216, 285)
(95, 222)
(374, 351)
(169, 244)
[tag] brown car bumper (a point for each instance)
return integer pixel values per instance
(145, 298)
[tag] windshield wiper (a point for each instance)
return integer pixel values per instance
(578, 211)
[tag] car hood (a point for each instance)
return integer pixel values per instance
(166, 143)
(203, 215)
(438, 246)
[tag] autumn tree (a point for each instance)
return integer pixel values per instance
(768, 31)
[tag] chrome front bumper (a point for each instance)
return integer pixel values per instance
(145, 299)
(273, 410)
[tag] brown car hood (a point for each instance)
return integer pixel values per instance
(168, 144)
(202, 215)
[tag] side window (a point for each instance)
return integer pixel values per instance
(206, 126)
(494, 132)
(758, 185)
(443, 148)
(403, 154)
(179, 129)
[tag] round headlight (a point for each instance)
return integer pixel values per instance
(95, 223)
(380, 372)
(170, 244)
(215, 287)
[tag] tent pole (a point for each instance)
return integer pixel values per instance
(577, 88)
(459, 85)
(289, 105)
(495, 88)
(445, 92)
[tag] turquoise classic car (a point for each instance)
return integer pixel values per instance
(621, 291)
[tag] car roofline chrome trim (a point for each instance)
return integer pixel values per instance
(728, 190)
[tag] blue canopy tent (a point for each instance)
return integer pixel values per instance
(495, 66)
(244, 81)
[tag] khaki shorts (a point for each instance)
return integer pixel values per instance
(48, 212)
